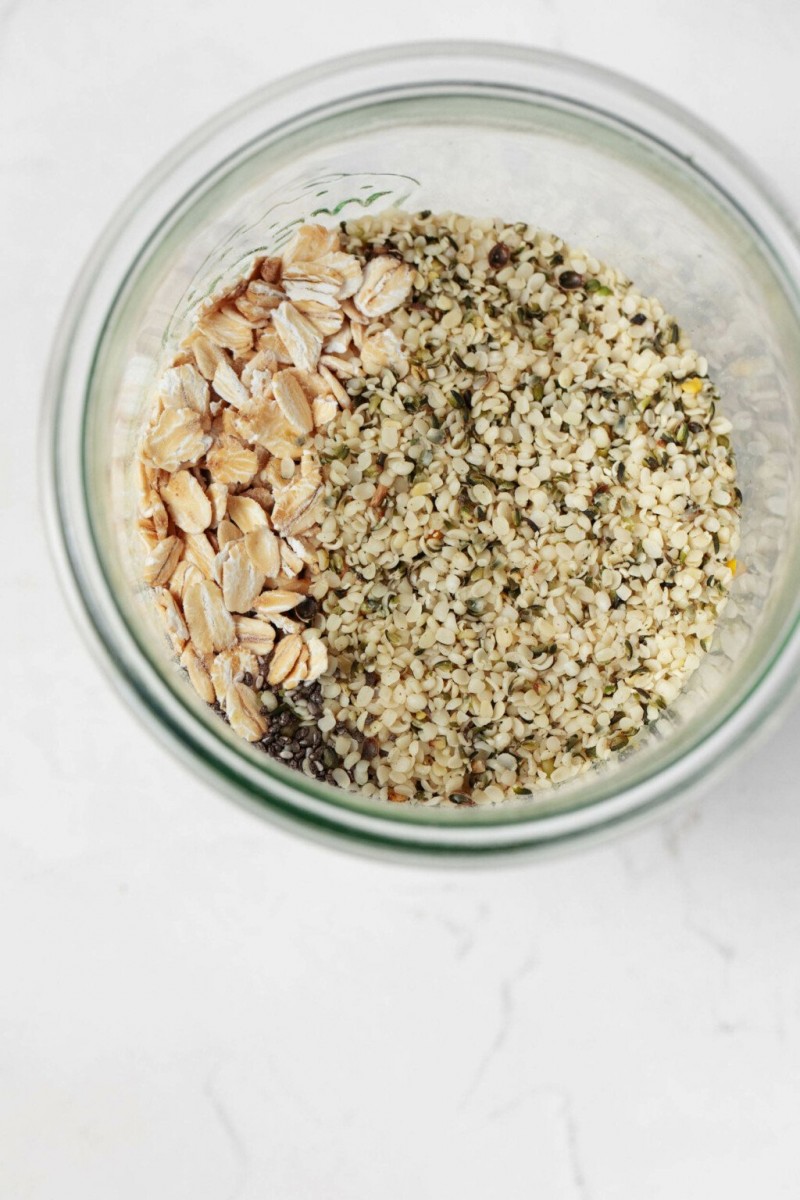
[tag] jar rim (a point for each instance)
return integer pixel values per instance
(413, 830)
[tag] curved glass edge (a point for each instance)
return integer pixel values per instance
(510, 814)
(63, 541)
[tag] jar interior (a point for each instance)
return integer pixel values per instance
(606, 188)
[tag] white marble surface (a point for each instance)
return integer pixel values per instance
(195, 1005)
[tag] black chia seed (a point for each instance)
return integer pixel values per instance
(499, 256)
(570, 280)
(369, 749)
(307, 609)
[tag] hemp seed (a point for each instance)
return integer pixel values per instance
(429, 517)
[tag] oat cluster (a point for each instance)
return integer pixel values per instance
(231, 492)
(438, 508)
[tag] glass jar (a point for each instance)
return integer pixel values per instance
(486, 130)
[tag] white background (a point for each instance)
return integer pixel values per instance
(195, 1005)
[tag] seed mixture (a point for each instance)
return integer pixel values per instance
(437, 508)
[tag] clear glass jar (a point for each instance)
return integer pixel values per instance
(486, 130)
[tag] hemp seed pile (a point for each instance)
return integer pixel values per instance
(437, 508)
